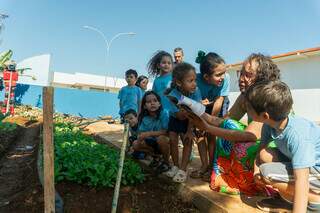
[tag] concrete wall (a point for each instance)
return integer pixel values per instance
(302, 74)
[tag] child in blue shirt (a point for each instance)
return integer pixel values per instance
(294, 170)
(160, 66)
(183, 84)
(152, 130)
(131, 117)
(130, 95)
(142, 82)
(214, 85)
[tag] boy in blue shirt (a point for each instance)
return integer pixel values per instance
(294, 167)
(130, 95)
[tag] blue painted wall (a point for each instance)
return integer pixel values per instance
(71, 101)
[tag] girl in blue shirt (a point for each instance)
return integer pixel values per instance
(152, 130)
(214, 84)
(183, 84)
(160, 66)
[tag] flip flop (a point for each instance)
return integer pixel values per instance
(180, 177)
(197, 174)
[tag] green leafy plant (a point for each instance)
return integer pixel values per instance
(5, 126)
(79, 158)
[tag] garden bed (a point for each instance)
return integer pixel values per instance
(22, 190)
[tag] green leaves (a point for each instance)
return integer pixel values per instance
(79, 158)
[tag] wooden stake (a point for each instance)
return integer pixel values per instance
(48, 150)
(121, 160)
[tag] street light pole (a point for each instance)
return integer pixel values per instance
(108, 45)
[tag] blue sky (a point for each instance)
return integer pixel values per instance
(233, 29)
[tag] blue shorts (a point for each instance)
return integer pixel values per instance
(152, 142)
(178, 126)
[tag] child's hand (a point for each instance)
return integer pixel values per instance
(258, 179)
(205, 102)
(199, 122)
(143, 136)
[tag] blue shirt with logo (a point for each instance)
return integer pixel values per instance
(130, 97)
(210, 91)
(177, 94)
(160, 85)
(149, 123)
(299, 141)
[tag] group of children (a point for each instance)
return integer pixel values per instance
(290, 167)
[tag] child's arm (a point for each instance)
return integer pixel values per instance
(301, 190)
(145, 135)
(237, 110)
(251, 133)
(217, 105)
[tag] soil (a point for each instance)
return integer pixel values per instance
(21, 191)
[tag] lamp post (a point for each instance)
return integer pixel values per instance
(108, 45)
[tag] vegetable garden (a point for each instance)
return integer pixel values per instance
(85, 173)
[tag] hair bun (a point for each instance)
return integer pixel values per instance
(201, 56)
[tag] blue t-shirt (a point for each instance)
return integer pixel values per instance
(177, 94)
(160, 85)
(299, 141)
(210, 91)
(130, 97)
(149, 123)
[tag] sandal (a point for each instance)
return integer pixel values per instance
(154, 163)
(163, 167)
(180, 177)
(172, 172)
(197, 174)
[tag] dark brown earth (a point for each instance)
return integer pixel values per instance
(21, 191)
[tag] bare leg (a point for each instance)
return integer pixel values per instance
(286, 190)
(142, 147)
(211, 148)
(164, 146)
(203, 152)
(186, 152)
(174, 151)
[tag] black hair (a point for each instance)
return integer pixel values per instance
(178, 74)
(273, 97)
(208, 62)
(130, 111)
(153, 64)
(144, 112)
(266, 70)
(140, 78)
(132, 72)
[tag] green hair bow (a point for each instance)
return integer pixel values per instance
(201, 56)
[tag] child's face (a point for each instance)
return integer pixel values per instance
(131, 119)
(131, 79)
(144, 84)
(165, 65)
(247, 75)
(152, 104)
(188, 84)
(217, 75)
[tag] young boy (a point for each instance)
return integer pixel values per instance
(131, 117)
(130, 95)
(295, 169)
